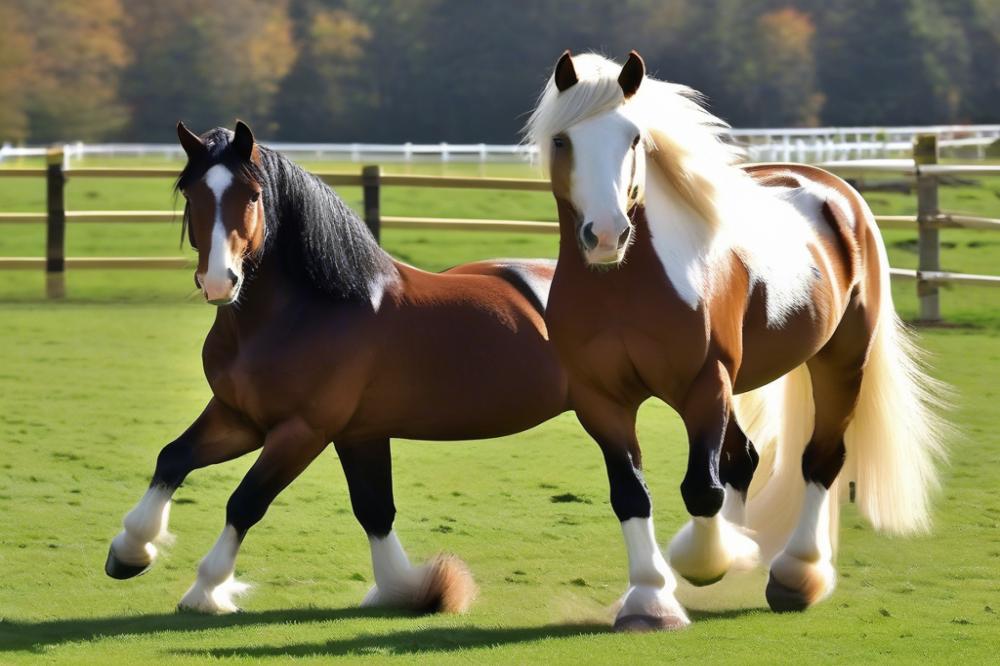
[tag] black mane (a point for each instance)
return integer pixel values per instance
(317, 236)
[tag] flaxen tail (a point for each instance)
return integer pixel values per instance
(895, 440)
(896, 437)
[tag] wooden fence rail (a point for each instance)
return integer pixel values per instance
(924, 168)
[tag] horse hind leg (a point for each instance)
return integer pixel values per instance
(803, 573)
(737, 465)
(444, 584)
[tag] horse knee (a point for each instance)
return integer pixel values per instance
(702, 499)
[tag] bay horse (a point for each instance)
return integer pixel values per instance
(685, 276)
(320, 336)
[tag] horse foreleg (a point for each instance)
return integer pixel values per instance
(288, 449)
(709, 545)
(443, 584)
(219, 434)
(649, 602)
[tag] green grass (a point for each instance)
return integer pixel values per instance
(91, 389)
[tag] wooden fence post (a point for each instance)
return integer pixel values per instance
(925, 151)
(371, 183)
(55, 230)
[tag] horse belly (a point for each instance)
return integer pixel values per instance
(771, 353)
(475, 380)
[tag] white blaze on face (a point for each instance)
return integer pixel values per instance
(216, 280)
(603, 165)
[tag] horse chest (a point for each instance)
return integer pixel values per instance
(269, 374)
(632, 339)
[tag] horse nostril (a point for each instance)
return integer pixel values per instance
(233, 277)
(588, 236)
(624, 237)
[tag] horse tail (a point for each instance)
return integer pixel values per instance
(778, 418)
(896, 436)
(894, 441)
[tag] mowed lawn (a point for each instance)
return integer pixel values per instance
(92, 388)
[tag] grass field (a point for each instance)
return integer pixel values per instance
(91, 388)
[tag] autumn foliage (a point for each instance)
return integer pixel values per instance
(455, 70)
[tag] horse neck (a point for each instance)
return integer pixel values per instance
(269, 289)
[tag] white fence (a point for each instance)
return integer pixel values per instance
(813, 144)
(825, 144)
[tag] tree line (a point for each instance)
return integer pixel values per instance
(463, 71)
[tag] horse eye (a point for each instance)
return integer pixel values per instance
(635, 141)
(558, 141)
(254, 197)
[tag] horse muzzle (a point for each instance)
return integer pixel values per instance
(604, 247)
(220, 291)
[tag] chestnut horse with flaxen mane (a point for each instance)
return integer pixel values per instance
(321, 336)
(684, 276)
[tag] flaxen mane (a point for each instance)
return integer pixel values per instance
(685, 142)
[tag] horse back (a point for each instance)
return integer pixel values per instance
(846, 266)
(532, 278)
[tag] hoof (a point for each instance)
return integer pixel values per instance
(795, 585)
(783, 599)
(218, 600)
(194, 610)
(122, 570)
(704, 582)
(705, 549)
(644, 623)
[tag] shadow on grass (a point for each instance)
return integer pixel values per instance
(725, 614)
(16, 635)
(436, 639)
(35, 636)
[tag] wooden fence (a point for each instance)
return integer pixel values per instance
(924, 169)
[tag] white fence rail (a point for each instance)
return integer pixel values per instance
(810, 144)
(922, 168)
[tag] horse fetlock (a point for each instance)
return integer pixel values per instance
(130, 550)
(705, 549)
(203, 597)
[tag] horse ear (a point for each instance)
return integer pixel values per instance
(632, 74)
(565, 74)
(193, 146)
(243, 141)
